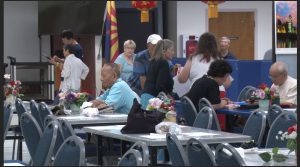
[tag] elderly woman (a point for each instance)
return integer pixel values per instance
(125, 60)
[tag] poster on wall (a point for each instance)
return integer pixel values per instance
(285, 27)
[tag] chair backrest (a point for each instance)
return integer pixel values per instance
(199, 153)
(7, 116)
(145, 97)
(60, 135)
(281, 123)
(143, 148)
(255, 126)
(35, 112)
(230, 157)
(31, 131)
(70, 153)
(215, 121)
(20, 107)
(48, 119)
(246, 92)
(273, 113)
(176, 152)
(44, 111)
(189, 111)
(131, 158)
(66, 128)
(204, 118)
(46, 145)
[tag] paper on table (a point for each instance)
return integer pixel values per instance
(118, 127)
(154, 136)
(13, 164)
(198, 134)
(86, 104)
(113, 115)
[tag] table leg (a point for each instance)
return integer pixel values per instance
(99, 150)
(153, 154)
(20, 149)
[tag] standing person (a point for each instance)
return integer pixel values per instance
(224, 48)
(159, 77)
(125, 60)
(283, 83)
(140, 65)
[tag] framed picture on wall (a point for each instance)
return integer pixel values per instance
(285, 18)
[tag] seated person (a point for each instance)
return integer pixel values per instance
(208, 85)
(117, 92)
(283, 83)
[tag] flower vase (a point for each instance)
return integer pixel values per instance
(264, 105)
(75, 109)
(11, 100)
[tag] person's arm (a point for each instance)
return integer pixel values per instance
(292, 95)
(222, 104)
(185, 72)
(142, 81)
(162, 83)
(85, 71)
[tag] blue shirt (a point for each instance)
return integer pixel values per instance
(140, 68)
(120, 96)
(78, 51)
(229, 56)
(127, 69)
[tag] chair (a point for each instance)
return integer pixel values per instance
(145, 97)
(31, 131)
(177, 154)
(273, 113)
(35, 112)
(48, 119)
(46, 145)
(255, 126)
(44, 111)
(199, 153)
(224, 158)
(20, 107)
(204, 118)
(131, 158)
(8, 113)
(215, 122)
(143, 148)
(281, 123)
(246, 92)
(66, 128)
(60, 135)
(189, 111)
(70, 153)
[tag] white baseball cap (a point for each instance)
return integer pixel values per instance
(153, 39)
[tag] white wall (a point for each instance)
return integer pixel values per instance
(192, 19)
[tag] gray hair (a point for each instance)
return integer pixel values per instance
(161, 46)
(281, 67)
(115, 68)
(129, 42)
(225, 38)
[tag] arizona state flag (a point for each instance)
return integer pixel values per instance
(111, 50)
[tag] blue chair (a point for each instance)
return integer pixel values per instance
(199, 153)
(46, 145)
(145, 97)
(224, 159)
(246, 92)
(189, 111)
(44, 112)
(35, 112)
(70, 153)
(20, 107)
(66, 128)
(204, 118)
(60, 136)
(7, 116)
(143, 148)
(255, 126)
(31, 131)
(215, 121)
(281, 123)
(131, 158)
(177, 154)
(274, 111)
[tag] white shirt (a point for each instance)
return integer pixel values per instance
(73, 71)
(288, 90)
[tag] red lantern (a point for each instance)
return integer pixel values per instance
(213, 8)
(144, 7)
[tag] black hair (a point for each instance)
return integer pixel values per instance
(219, 68)
(207, 45)
(70, 48)
(67, 34)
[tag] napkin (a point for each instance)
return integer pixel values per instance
(239, 150)
(90, 112)
(86, 104)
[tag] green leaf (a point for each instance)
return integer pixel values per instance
(279, 157)
(291, 145)
(275, 150)
(265, 156)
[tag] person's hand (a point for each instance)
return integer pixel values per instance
(96, 103)
(52, 60)
(227, 100)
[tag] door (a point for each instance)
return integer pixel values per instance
(239, 27)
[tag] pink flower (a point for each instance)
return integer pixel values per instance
(15, 93)
(155, 103)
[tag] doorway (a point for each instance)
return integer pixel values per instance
(239, 27)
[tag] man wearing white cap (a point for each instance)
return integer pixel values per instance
(141, 63)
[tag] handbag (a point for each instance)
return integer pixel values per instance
(142, 121)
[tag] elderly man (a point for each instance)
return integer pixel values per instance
(141, 63)
(118, 94)
(224, 49)
(283, 83)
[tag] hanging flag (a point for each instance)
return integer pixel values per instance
(111, 50)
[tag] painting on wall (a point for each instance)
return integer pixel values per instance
(285, 14)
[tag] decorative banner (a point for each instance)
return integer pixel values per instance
(213, 8)
(144, 7)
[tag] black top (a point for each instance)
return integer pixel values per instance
(204, 87)
(158, 78)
